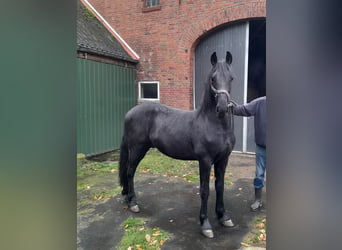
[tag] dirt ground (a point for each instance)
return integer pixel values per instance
(173, 205)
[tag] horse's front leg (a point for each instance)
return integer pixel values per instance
(220, 169)
(206, 228)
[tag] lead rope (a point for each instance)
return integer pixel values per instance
(231, 104)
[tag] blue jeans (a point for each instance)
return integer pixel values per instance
(260, 163)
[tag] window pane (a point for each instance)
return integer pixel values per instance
(151, 3)
(149, 90)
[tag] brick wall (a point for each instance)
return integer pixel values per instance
(165, 39)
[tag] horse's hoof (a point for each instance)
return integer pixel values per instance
(134, 209)
(228, 223)
(208, 233)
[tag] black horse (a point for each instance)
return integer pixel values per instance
(205, 134)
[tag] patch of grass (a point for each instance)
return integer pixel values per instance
(90, 173)
(106, 193)
(192, 178)
(96, 191)
(82, 186)
(92, 179)
(228, 182)
(85, 168)
(138, 236)
(258, 233)
(158, 163)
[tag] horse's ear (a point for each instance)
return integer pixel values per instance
(213, 59)
(229, 58)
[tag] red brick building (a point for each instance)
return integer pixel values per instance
(166, 34)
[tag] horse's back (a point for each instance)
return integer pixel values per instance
(142, 118)
(149, 111)
(161, 126)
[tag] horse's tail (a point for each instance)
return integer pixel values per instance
(123, 162)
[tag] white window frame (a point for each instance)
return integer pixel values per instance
(153, 4)
(148, 99)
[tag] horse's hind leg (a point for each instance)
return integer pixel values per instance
(136, 154)
(220, 169)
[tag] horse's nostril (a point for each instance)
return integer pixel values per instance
(217, 109)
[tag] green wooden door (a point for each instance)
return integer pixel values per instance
(105, 93)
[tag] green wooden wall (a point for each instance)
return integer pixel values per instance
(105, 93)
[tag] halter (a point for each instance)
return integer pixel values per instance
(220, 91)
(231, 103)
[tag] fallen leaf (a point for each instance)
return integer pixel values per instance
(148, 237)
(262, 237)
(260, 225)
(244, 244)
(153, 243)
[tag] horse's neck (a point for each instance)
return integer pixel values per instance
(208, 105)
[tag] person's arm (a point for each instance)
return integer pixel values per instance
(245, 110)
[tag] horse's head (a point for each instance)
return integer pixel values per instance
(220, 79)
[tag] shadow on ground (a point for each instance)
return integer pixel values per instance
(173, 205)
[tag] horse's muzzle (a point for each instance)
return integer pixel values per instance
(221, 111)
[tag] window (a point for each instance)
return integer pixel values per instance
(149, 91)
(151, 5)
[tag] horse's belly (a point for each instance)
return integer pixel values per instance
(180, 155)
(174, 146)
